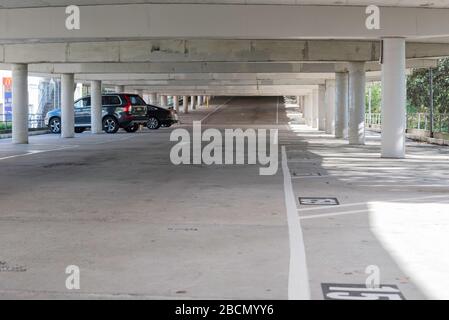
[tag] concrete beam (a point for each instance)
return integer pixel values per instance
(228, 90)
(204, 68)
(206, 51)
(220, 21)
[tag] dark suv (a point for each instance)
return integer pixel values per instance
(160, 117)
(123, 110)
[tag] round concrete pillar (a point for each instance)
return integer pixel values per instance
(200, 101)
(163, 99)
(322, 107)
(20, 103)
(393, 98)
(67, 107)
(193, 102)
(153, 98)
(176, 103)
(330, 106)
(96, 107)
(357, 81)
(315, 100)
(341, 105)
(185, 103)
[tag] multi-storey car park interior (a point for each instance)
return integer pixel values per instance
(357, 203)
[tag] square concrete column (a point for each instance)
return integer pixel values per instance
(119, 89)
(67, 107)
(176, 103)
(341, 105)
(322, 107)
(394, 95)
(185, 104)
(20, 103)
(330, 106)
(96, 108)
(193, 102)
(357, 81)
(153, 98)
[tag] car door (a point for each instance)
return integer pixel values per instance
(84, 112)
(78, 108)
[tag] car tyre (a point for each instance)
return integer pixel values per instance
(110, 125)
(80, 130)
(54, 125)
(153, 123)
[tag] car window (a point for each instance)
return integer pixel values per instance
(136, 101)
(79, 104)
(111, 101)
(86, 102)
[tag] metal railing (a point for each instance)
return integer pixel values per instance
(419, 121)
(35, 122)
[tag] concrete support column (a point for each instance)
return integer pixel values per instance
(163, 101)
(309, 107)
(96, 107)
(176, 103)
(139, 92)
(119, 89)
(314, 122)
(193, 102)
(341, 105)
(185, 103)
(67, 107)
(357, 81)
(200, 101)
(153, 98)
(393, 98)
(330, 106)
(20, 103)
(322, 107)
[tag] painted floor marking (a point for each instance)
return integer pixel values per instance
(298, 282)
(35, 152)
(216, 109)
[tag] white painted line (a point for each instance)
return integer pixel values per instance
(216, 109)
(35, 152)
(367, 202)
(325, 215)
(298, 281)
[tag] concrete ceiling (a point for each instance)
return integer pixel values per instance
(391, 3)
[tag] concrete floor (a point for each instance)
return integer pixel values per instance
(140, 227)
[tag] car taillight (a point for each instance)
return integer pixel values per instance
(127, 108)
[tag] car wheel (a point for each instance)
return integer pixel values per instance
(55, 125)
(80, 130)
(110, 125)
(132, 128)
(153, 123)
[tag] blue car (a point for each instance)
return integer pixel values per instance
(127, 111)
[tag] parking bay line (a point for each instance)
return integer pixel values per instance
(298, 280)
(216, 109)
(36, 152)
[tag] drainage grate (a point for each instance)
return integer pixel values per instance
(318, 201)
(333, 291)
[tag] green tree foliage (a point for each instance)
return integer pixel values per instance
(376, 97)
(418, 89)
